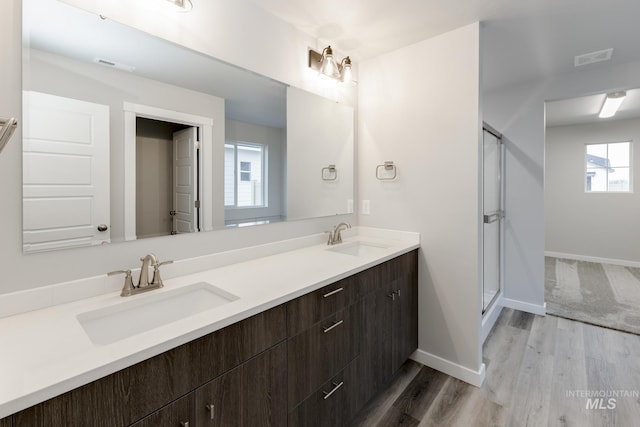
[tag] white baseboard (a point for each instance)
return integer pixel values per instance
(622, 262)
(475, 378)
(525, 306)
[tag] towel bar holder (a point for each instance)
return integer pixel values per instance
(387, 167)
(329, 173)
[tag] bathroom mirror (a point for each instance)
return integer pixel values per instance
(129, 136)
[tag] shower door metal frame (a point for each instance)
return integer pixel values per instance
(491, 217)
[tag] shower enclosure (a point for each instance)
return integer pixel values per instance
(492, 215)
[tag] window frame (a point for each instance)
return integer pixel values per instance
(264, 149)
(630, 167)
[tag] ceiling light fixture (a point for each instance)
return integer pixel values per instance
(183, 5)
(325, 64)
(611, 104)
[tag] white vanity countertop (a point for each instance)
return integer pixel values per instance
(47, 352)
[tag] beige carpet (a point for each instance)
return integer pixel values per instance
(601, 294)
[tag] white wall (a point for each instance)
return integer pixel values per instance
(518, 112)
(419, 107)
(238, 33)
(275, 140)
(585, 224)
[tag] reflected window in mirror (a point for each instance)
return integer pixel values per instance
(244, 179)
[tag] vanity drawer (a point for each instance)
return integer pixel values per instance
(306, 311)
(322, 351)
(333, 404)
(252, 394)
(180, 413)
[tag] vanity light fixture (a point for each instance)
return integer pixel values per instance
(325, 64)
(329, 66)
(611, 104)
(183, 5)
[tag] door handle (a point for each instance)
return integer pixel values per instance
(211, 408)
(103, 227)
(493, 217)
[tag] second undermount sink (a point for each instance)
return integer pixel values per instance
(359, 248)
(143, 313)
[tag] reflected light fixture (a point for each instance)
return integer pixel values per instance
(325, 64)
(182, 5)
(611, 104)
(345, 73)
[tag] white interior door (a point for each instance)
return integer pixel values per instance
(185, 181)
(492, 216)
(65, 172)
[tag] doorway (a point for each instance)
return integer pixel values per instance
(592, 260)
(167, 181)
(197, 148)
(492, 216)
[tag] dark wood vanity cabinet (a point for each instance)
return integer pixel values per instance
(379, 331)
(314, 361)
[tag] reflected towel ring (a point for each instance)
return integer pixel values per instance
(329, 173)
(387, 167)
(7, 126)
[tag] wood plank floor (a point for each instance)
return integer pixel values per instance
(539, 370)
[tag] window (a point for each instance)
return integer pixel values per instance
(245, 171)
(244, 174)
(608, 167)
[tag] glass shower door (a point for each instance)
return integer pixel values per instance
(492, 215)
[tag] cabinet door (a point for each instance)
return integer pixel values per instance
(253, 394)
(405, 319)
(6, 422)
(180, 413)
(376, 341)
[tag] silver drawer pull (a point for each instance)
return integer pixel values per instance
(184, 424)
(335, 325)
(212, 410)
(333, 292)
(337, 386)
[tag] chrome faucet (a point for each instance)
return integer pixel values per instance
(335, 236)
(143, 282)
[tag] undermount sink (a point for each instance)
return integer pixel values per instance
(143, 313)
(358, 248)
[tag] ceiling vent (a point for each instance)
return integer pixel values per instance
(593, 57)
(119, 66)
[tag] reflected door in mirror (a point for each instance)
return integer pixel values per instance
(65, 173)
